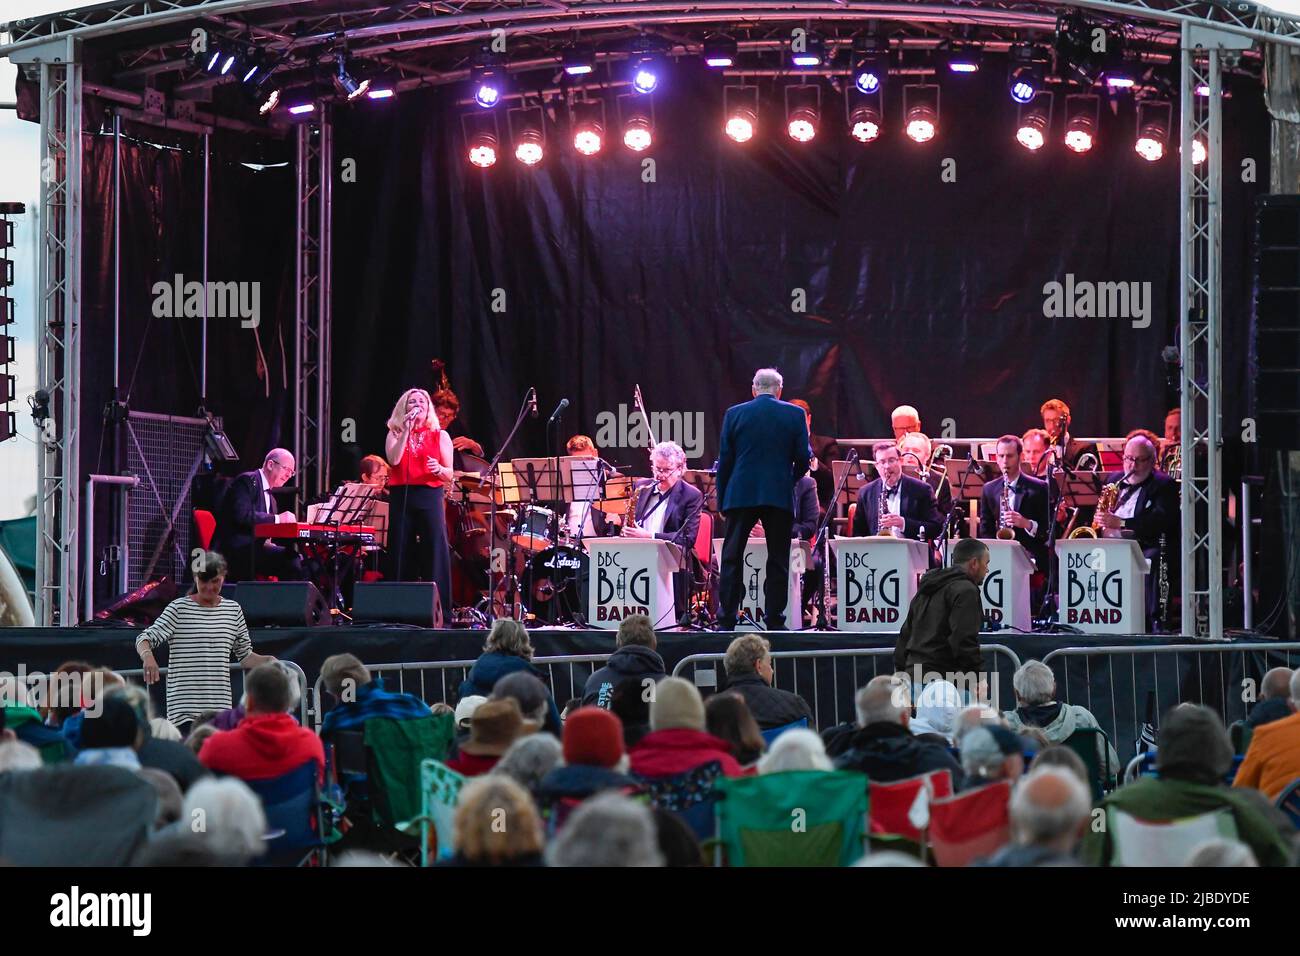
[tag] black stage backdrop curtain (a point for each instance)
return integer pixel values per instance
(918, 290)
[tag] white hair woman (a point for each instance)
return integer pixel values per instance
(231, 817)
(420, 453)
(798, 749)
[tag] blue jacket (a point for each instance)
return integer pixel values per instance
(491, 667)
(764, 451)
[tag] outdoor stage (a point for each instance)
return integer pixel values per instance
(1125, 681)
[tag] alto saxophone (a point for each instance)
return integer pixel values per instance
(1005, 531)
(882, 509)
(629, 521)
(1105, 504)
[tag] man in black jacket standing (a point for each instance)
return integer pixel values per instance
(750, 673)
(763, 452)
(942, 632)
(636, 659)
(883, 747)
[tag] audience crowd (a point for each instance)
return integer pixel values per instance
(628, 773)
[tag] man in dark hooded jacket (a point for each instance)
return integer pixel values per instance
(942, 630)
(635, 659)
(883, 747)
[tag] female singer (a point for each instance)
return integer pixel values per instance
(419, 450)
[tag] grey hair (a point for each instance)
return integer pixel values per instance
(228, 814)
(967, 719)
(18, 755)
(1221, 853)
(797, 749)
(670, 450)
(1034, 683)
(607, 830)
(1295, 685)
(1036, 824)
(884, 699)
(529, 759)
(295, 689)
(980, 754)
(768, 381)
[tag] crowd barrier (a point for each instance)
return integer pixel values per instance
(1128, 688)
(829, 680)
(158, 691)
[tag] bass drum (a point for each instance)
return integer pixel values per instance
(558, 585)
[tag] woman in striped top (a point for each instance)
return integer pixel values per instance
(205, 632)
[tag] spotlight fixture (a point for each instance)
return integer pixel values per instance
(921, 111)
(638, 134)
(719, 51)
(802, 111)
(1025, 78)
(1081, 113)
(579, 60)
(636, 115)
(1035, 123)
(379, 91)
(646, 67)
(254, 67)
(528, 134)
(589, 126)
(269, 102)
(1153, 120)
(299, 102)
(483, 150)
(864, 123)
(344, 80)
(870, 63)
(740, 111)
(964, 57)
(488, 83)
(1199, 153)
(807, 50)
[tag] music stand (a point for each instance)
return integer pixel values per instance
(967, 480)
(705, 480)
(350, 503)
(580, 481)
(1082, 488)
(539, 476)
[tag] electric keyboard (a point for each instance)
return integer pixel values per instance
(327, 533)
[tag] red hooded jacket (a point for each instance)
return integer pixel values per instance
(665, 753)
(261, 747)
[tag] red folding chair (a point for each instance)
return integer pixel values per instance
(206, 523)
(971, 824)
(704, 539)
(890, 803)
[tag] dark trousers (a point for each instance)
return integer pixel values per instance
(268, 560)
(417, 538)
(778, 524)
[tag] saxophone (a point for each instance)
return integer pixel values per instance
(1105, 504)
(1164, 581)
(629, 520)
(1005, 531)
(882, 509)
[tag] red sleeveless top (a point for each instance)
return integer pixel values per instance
(413, 468)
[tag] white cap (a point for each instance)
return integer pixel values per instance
(465, 710)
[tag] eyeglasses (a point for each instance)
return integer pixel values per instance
(661, 470)
(285, 468)
(1134, 460)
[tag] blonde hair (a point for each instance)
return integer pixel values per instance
(398, 417)
(509, 636)
(479, 835)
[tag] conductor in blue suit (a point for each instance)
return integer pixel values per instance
(764, 450)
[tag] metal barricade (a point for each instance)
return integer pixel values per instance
(158, 691)
(1127, 688)
(439, 681)
(830, 679)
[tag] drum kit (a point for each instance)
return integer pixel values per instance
(541, 571)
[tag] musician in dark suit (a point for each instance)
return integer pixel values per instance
(1027, 511)
(763, 452)
(910, 511)
(824, 451)
(1148, 505)
(1056, 422)
(247, 501)
(916, 448)
(669, 509)
(447, 407)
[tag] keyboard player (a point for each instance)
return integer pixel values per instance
(246, 503)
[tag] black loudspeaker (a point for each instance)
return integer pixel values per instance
(1277, 321)
(397, 602)
(281, 603)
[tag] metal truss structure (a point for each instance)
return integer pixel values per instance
(427, 43)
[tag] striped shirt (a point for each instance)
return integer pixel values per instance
(202, 640)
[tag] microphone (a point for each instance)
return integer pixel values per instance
(555, 416)
(532, 403)
(857, 465)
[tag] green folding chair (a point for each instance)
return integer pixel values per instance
(1084, 742)
(440, 788)
(796, 818)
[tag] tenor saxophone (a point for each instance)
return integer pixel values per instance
(629, 521)
(1105, 504)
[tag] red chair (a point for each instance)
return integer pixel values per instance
(970, 825)
(848, 528)
(206, 522)
(704, 539)
(890, 803)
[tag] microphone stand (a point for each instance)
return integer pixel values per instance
(1052, 564)
(492, 526)
(820, 537)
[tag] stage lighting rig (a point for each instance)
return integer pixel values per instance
(345, 79)
(1082, 112)
(1085, 47)
(964, 56)
(488, 80)
(870, 63)
(1035, 122)
(589, 126)
(719, 51)
(1153, 121)
(803, 110)
(1025, 73)
(636, 113)
(807, 51)
(528, 133)
(921, 111)
(579, 59)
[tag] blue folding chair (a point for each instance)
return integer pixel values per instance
(771, 735)
(294, 817)
(690, 795)
(1288, 801)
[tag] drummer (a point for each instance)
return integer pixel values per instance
(447, 407)
(584, 521)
